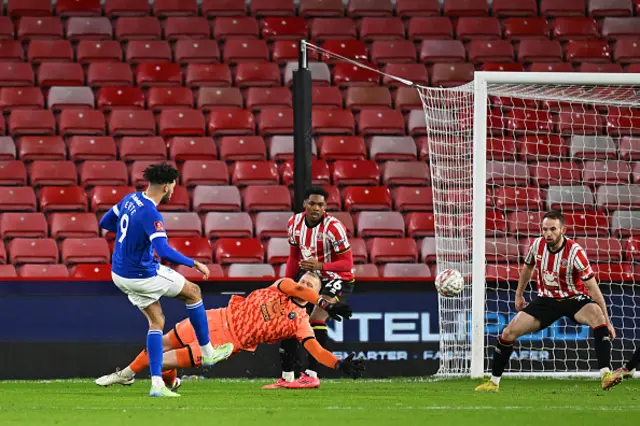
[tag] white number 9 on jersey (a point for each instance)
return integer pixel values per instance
(124, 225)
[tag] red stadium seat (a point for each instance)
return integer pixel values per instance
(387, 250)
(410, 8)
(272, 7)
(408, 198)
(266, 198)
(89, 28)
(168, 8)
(218, 198)
(272, 224)
(16, 74)
(281, 148)
(138, 28)
(397, 51)
(381, 28)
(11, 50)
(225, 121)
(111, 74)
(219, 97)
(531, 27)
(43, 271)
(380, 122)
(506, 8)
(320, 174)
(23, 225)
(332, 121)
(70, 97)
(567, 8)
(380, 224)
(362, 8)
(359, 250)
(228, 224)
(183, 148)
(239, 250)
(602, 8)
(116, 8)
(540, 51)
(60, 74)
(235, 27)
(181, 122)
(73, 225)
(258, 98)
(13, 172)
(632, 249)
(82, 8)
(465, 8)
(27, 250)
(518, 198)
(277, 251)
(320, 73)
(21, 198)
(501, 249)
(8, 271)
(197, 248)
(105, 197)
(629, 148)
(21, 97)
(333, 29)
(326, 97)
(83, 148)
(196, 51)
(603, 67)
(215, 271)
(555, 173)
(238, 148)
(41, 148)
(521, 121)
(615, 272)
(91, 272)
(417, 73)
(159, 98)
(7, 30)
(85, 122)
(276, 121)
(470, 28)
(490, 51)
(589, 224)
(49, 50)
(588, 51)
(601, 249)
(158, 74)
(180, 201)
(627, 51)
(442, 51)
(7, 148)
(524, 223)
(406, 270)
(84, 250)
(430, 28)
(137, 169)
(18, 8)
(248, 50)
(351, 49)
(39, 27)
(182, 224)
(542, 147)
(284, 28)
(154, 51)
(123, 122)
(384, 148)
(257, 74)
(204, 172)
(449, 75)
(342, 148)
(48, 173)
(575, 28)
(420, 224)
(321, 8)
(507, 173)
(214, 8)
(356, 172)
(283, 51)
(606, 172)
(345, 74)
(357, 198)
(406, 173)
(251, 270)
(150, 148)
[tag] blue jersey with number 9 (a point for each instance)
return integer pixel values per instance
(139, 223)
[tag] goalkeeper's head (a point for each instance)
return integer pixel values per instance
(553, 229)
(315, 203)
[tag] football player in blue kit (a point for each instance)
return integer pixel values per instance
(139, 229)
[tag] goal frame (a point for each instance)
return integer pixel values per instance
(480, 104)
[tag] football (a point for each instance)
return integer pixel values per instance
(449, 283)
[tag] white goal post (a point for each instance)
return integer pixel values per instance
(558, 140)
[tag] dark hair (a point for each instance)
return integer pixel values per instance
(316, 190)
(160, 174)
(554, 214)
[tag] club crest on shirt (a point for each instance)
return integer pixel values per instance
(292, 316)
(307, 252)
(159, 226)
(564, 262)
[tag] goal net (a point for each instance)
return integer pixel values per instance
(505, 149)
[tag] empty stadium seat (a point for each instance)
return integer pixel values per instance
(192, 274)
(625, 223)
(505, 8)
(182, 224)
(110, 74)
(442, 51)
(239, 148)
(470, 28)
(266, 198)
(406, 173)
(73, 225)
(61, 173)
(219, 198)
(81, 122)
(358, 198)
(251, 270)
(204, 172)
(41, 148)
(406, 270)
(39, 27)
(343, 148)
(276, 121)
(197, 248)
(23, 225)
(412, 199)
(27, 250)
(183, 148)
(258, 98)
(49, 50)
(602, 8)
(575, 28)
(430, 28)
(234, 27)
(590, 224)
(617, 197)
(43, 271)
(254, 173)
(332, 121)
(567, 8)
(283, 28)
(356, 172)
(448, 75)
(63, 198)
(242, 250)
(159, 98)
(124, 122)
(31, 122)
(321, 8)
(534, 50)
(105, 197)
(333, 29)
(281, 148)
(89, 28)
(89, 51)
(82, 148)
(20, 198)
(320, 73)
(391, 250)
(420, 224)
(380, 224)
(13, 172)
(592, 147)
(277, 251)
(16, 74)
(228, 224)
(212, 8)
(91, 271)
(359, 250)
(120, 97)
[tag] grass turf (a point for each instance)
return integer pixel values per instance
(338, 402)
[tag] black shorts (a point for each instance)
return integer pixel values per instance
(548, 310)
(337, 288)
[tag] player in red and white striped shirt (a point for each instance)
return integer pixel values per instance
(566, 288)
(318, 242)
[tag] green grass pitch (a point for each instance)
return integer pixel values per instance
(397, 402)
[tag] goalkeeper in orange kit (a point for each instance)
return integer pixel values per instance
(267, 315)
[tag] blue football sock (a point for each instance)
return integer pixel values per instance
(198, 318)
(154, 350)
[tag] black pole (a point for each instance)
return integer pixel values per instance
(302, 139)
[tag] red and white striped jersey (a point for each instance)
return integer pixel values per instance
(561, 273)
(321, 242)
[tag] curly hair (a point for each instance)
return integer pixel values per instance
(160, 174)
(316, 190)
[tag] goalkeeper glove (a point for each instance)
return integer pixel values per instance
(336, 311)
(351, 367)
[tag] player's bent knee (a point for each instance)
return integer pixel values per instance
(192, 291)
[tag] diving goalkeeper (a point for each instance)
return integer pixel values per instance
(267, 315)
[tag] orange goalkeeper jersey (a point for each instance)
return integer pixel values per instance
(267, 316)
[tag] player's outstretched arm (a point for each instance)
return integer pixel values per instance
(110, 221)
(335, 310)
(348, 366)
(161, 246)
(525, 277)
(596, 294)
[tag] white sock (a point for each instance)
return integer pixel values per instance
(157, 382)
(288, 376)
(127, 373)
(495, 380)
(311, 373)
(207, 350)
(605, 370)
